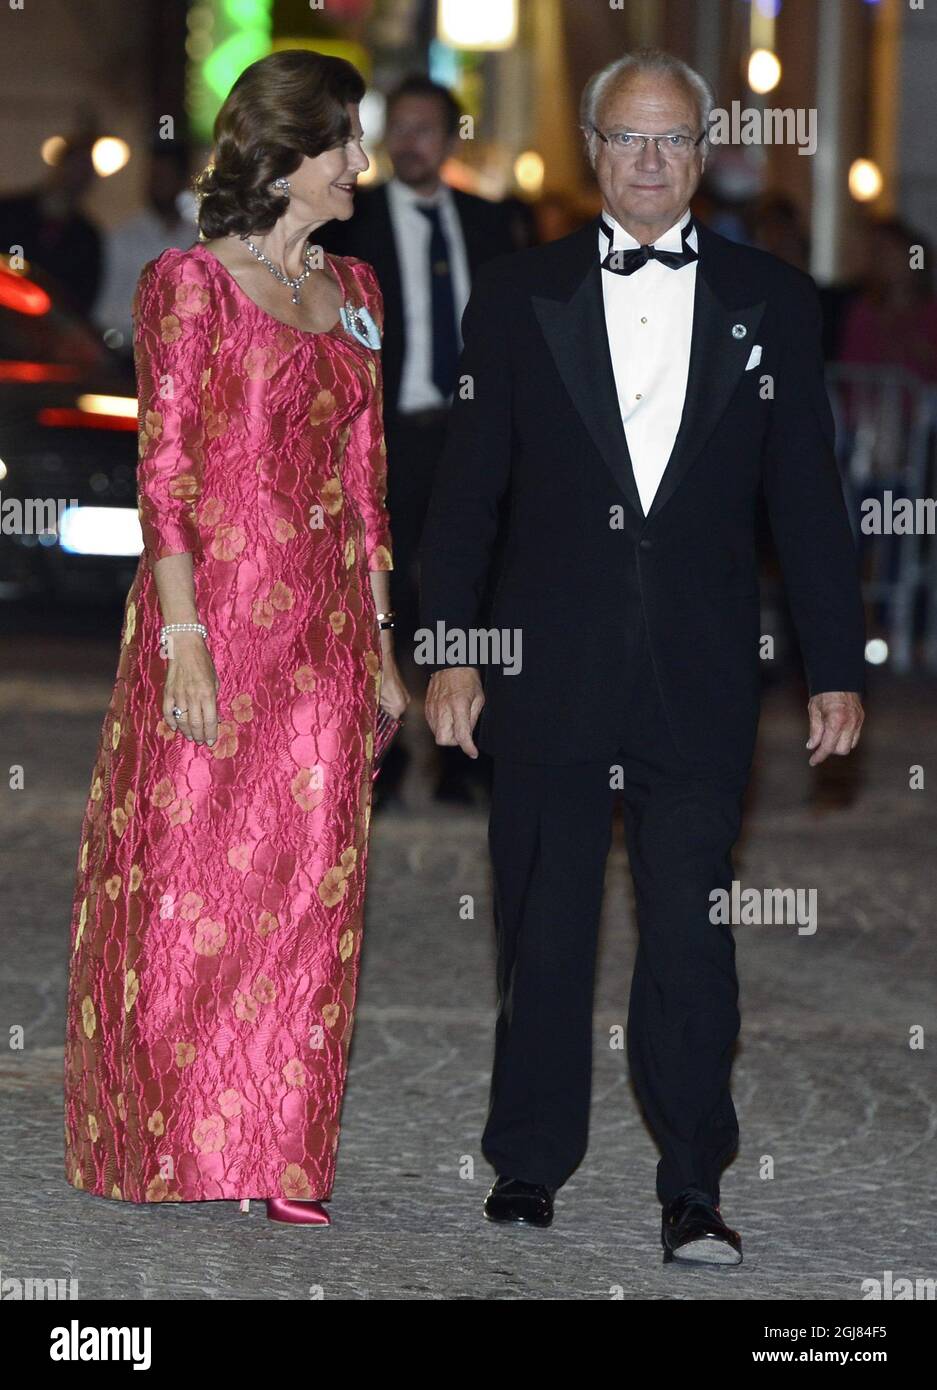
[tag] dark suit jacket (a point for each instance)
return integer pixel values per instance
(369, 234)
(544, 428)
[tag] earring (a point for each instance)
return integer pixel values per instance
(282, 186)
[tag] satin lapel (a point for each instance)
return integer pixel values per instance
(717, 360)
(576, 335)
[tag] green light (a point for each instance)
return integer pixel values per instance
(230, 58)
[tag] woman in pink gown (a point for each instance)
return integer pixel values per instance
(218, 909)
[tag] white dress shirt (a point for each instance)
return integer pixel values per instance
(649, 319)
(412, 232)
(126, 251)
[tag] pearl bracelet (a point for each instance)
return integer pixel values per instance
(168, 628)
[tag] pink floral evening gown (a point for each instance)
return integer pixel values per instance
(218, 910)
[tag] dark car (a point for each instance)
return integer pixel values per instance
(68, 450)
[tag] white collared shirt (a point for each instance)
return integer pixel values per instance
(649, 320)
(412, 232)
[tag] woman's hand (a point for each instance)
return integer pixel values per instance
(394, 696)
(191, 686)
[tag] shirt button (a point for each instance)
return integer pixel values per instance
(644, 320)
(638, 396)
(646, 545)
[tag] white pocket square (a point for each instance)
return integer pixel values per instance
(754, 358)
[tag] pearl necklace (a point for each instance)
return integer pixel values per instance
(292, 282)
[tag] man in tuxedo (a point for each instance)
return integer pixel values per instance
(426, 241)
(631, 389)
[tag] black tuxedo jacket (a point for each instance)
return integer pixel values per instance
(369, 234)
(583, 567)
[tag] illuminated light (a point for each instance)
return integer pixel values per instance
(52, 149)
(865, 180)
(876, 651)
(3, 470)
(488, 24)
(764, 70)
(37, 371)
(100, 531)
(21, 295)
(64, 418)
(109, 154)
(769, 8)
(528, 171)
(108, 405)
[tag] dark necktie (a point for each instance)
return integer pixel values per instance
(445, 339)
(626, 262)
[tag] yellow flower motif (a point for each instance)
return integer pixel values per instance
(294, 1182)
(209, 1134)
(97, 789)
(185, 1054)
(262, 613)
(330, 1015)
(245, 1007)
(130, 623)
(283, 530)
(89, 1020)
(337, 622)
(307, 798)
(136, 877)
(332, 887)
(77, 1180)
(372, 663)
(211, 511)
(216, 422)
(83, 857)
(229, 1103)
(94, 1132)
(131, 990)
(242, 707)
(118, 821)
(349, 553)
(157, 1191)
(294, 1073)
(115, 734)
(121, 1102)
(346, 944)
(348, 859)
(164, 731)
(281, 596)
(112, 887)
(229, 541)
(226, 744)
(266, 923)
(304, 678)
(191, 906)
(190, 298)
(164, 794)
(170, 329)
(239, 857)
(209, 938)
(116, 1192)
(152, 426)
(130, 803)
(331, 496)
(184, 487)
(322, 407)
(264, 990)
(156, 1124)
(369, 746)
(381, 558)
(260, 363)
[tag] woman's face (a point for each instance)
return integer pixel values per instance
(323, 188)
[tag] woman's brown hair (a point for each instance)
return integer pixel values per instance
(289, 104)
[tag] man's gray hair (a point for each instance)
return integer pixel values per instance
(653, 60)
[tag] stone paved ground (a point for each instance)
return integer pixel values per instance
(825, 1083)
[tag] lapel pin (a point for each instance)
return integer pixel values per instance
(739, 330)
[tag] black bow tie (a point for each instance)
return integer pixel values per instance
(626, 262)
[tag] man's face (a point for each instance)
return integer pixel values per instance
(416, 138)
(648, 191)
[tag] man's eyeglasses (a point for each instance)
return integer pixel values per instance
(633, 143)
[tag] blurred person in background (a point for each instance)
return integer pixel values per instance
(218, 910)
(167, 219)
(893, 320)
(47, 222)
(426, 241)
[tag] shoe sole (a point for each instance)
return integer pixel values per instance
(704, 1252)
(517, 1221)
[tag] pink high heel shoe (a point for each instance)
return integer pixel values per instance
(297, 1213)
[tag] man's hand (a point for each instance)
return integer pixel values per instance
(835, 721)
(454, 700)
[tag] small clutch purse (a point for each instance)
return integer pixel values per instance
(385, 731)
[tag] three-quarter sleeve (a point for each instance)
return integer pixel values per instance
(365, 466)
(172, 314)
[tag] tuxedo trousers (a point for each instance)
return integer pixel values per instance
(549, 836)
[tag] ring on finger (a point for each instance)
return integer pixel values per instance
(178, 713)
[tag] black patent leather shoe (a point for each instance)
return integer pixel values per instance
(523, 1203)
(693, 1232)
